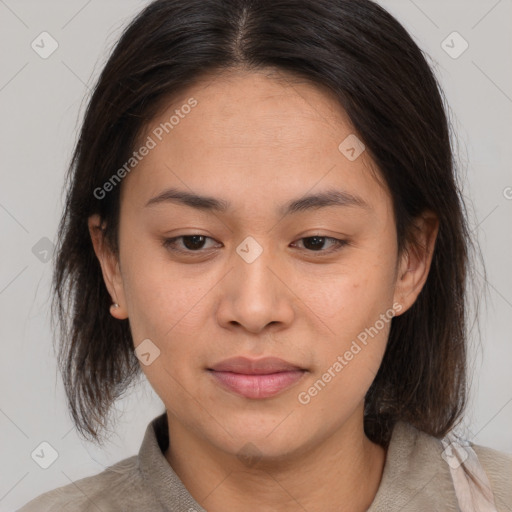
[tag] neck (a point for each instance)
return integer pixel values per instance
(343, 472)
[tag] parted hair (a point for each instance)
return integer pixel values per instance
(352, 48)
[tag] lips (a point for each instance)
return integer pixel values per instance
(256, 378)
(248, 366)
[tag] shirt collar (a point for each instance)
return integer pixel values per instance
(415, 476)
(158, 473)
(413, 471)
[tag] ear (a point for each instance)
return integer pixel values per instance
(109, 267)
(415, 261)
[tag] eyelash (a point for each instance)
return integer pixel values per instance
(169, 243)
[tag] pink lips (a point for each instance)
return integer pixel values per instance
(256, 378)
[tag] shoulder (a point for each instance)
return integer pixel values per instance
(426, 473)
(107, 491)
(498, 467)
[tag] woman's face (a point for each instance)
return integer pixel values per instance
(254, 282)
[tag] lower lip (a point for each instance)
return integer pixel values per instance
(257, 386)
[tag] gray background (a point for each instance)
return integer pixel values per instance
(42, 101)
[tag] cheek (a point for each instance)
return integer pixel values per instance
(163, 305)
(160, 301)
(355, 307)
(164, 308)
(350, 298)
(359, 314)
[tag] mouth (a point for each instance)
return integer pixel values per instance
(256, 378)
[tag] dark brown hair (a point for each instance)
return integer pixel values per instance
(359, 52)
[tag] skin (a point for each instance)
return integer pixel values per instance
(259, 141)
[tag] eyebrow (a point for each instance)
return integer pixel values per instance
(327, 198)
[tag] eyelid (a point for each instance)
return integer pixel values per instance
(338, 244)
(167, 243)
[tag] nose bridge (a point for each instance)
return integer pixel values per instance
(256, 295)
(252, 260)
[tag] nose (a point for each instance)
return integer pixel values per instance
(255, 293)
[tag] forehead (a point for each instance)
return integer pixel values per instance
(251, 135)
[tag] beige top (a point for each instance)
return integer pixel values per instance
(421, 474)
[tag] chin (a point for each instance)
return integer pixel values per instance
(264, 439)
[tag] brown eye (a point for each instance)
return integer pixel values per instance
(190, 243)
(317, 244)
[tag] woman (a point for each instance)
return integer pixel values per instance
(263, 217)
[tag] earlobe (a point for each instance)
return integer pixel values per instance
(109, 267)
(117, 312)
(416, 259)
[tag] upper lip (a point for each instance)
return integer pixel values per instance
(249, 366)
